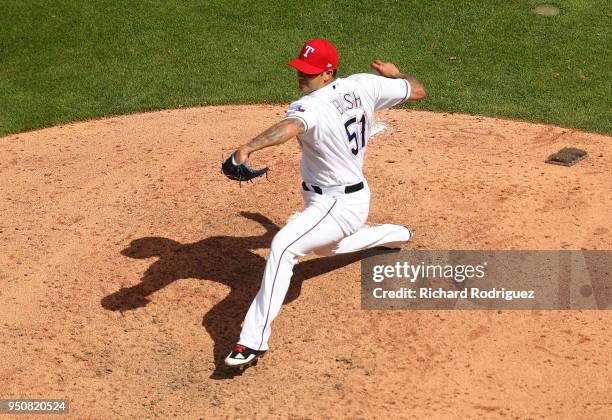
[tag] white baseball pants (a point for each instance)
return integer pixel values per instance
(331, 223)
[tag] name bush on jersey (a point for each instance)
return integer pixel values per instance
(342, 102)
(346, 102)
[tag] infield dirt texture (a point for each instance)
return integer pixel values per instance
(138, 202)
(127, 261)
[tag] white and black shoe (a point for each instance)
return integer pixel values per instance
(411, 231)
(242, 356)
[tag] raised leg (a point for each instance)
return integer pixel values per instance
(386, 235)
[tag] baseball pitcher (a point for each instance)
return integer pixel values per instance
(332, 123)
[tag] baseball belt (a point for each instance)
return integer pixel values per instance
(347, 190)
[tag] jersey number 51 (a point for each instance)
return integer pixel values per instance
(354, 132)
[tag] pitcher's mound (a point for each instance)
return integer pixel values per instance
(128, 263)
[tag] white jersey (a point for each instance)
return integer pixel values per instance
(337, 121)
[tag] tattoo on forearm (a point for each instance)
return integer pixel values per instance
(273, 135)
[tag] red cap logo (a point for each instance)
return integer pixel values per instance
(316, 56)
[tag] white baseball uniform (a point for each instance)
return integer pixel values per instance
(336, 195)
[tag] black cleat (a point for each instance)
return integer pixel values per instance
(242, 357)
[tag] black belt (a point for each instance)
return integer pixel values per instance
(347, 190)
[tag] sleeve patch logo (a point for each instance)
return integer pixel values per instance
(295, 108)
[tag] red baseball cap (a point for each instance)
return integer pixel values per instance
(316, 56)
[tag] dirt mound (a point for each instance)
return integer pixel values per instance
(128, 262)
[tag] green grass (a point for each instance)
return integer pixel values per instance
(72, 60)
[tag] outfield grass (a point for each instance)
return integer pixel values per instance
(72, 60)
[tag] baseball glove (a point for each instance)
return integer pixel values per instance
(241, 172)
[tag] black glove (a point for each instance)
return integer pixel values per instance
(240, 172)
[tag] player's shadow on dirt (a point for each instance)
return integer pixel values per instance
(225, 259)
